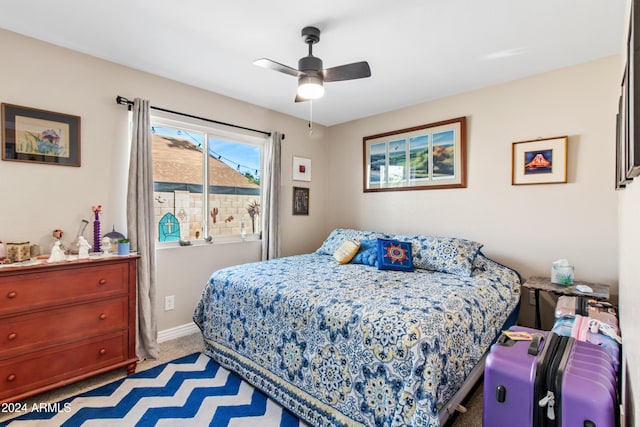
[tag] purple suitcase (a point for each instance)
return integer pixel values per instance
(555, 382)
(565, 326)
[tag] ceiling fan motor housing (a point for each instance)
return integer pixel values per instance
(309, 64)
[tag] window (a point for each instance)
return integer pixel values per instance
(206, 181)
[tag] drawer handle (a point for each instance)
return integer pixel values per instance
(102, 316)
(102, 351)
(12, 336)
(102, 282)
(11, 378)
(12, 294)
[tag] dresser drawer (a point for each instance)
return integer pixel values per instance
(46, 328)
(26, 373)
(32, 290)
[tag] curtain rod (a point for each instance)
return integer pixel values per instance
(124, 101)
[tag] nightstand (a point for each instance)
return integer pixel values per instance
(537, 284)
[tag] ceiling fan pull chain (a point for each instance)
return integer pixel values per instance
(310, 117)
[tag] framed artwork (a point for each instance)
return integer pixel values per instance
(39, 136)
(622, 138)
(425, 157)
(541, 161)
(301, 169)
(300, 201)
(631, 82)
(620, 182)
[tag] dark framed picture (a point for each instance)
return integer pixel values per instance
(541, 161)
(622, 137)
(631, 84)
(300, 201)
(39, 136)
(620, 181)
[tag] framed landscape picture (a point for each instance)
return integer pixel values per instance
(541, 161)
(424, 157)
(39, 136)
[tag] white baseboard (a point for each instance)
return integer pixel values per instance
(177, 332)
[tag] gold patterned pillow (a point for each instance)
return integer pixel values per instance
(346, 251)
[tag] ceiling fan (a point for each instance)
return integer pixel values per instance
(311, 76)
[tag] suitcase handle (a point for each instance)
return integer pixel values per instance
(535, 343)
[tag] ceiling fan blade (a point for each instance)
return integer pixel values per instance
(300, 99)
(357, 70)
(276, 66)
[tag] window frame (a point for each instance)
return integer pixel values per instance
(210, 131)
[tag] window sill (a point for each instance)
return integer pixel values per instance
(220, 240)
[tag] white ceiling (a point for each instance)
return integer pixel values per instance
(418, 50)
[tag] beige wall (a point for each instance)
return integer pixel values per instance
(629, 206)
(525, 227)
(36, 199)
(629, 283)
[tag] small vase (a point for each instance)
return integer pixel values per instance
(96, 233)
(123, 248)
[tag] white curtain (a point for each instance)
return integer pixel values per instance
(140, 228)
(271, 198)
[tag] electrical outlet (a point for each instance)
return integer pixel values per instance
(169, 302)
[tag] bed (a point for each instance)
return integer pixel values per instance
(342, 344)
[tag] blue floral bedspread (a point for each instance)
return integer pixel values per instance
(350, 344)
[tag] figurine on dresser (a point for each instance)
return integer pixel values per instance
(83, 248)
(57, 253)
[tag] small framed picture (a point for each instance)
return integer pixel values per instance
(39, 136)
(300, 201)
(541, 161)
(301, 169)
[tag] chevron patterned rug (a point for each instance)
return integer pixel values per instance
(190, 391)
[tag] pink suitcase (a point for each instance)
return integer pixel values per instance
(549, 381)
(584, 306)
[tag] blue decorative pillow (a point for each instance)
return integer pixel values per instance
(367, 254)
(444, 254)
(341, 235)
(394, 255)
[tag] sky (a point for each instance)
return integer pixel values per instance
(242, 157)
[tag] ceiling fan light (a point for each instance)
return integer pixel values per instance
(310, 87)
